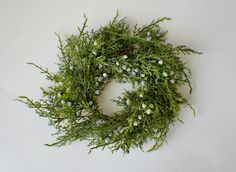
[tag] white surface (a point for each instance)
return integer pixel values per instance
(206, 143)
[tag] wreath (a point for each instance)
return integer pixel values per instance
(124, 53)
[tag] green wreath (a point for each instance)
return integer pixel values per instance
(124, 53)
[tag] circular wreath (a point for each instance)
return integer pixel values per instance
(124, 53)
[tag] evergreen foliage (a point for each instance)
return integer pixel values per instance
(125, 53)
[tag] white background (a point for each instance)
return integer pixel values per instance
(206, 143)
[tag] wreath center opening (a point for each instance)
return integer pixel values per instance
(112, 90)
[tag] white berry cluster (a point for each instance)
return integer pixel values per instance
(147, 110)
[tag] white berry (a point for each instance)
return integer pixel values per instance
(172, 81)
(133, 73)
(142, 83)
(143, 106)
(94, 52)
(97, 92)
(160, 62)
(148, 111)
(100, 66)
(148, 38)
(151, 106)
(100, 79)
(104, 74)
(135, 123)
(164, 74)
(136, 70)
(124, 67)
(125, 56)
(117, 63)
